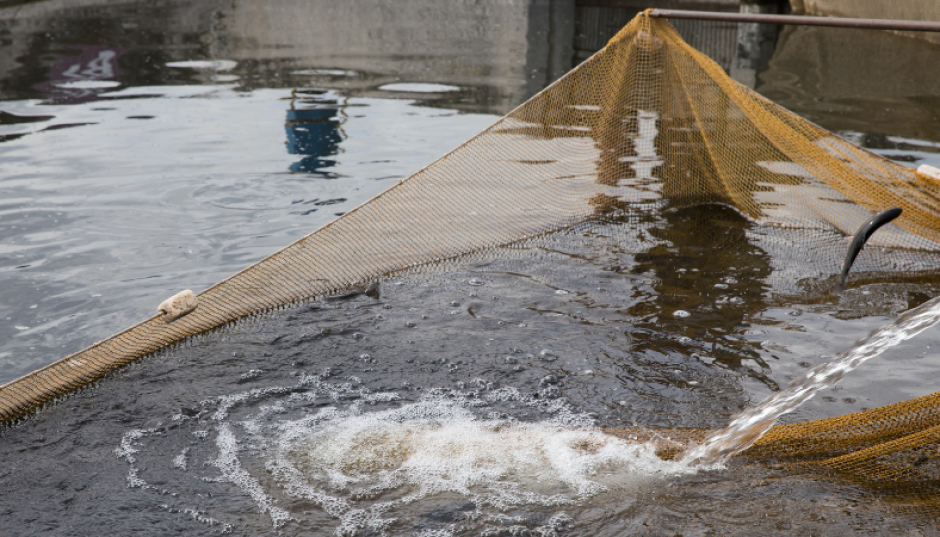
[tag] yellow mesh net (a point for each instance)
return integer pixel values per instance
(895, 446)
(645, 124)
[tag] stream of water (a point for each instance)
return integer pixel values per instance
(749, 426)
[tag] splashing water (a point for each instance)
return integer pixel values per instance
(747, 427)
(449, 463)
(369, 469)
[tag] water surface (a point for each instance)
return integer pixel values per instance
(147, 148)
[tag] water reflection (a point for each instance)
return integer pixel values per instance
(505, 51)
(857, 80)
(126, 212)
(80, 78)
(313, 129)
(707, 268)
(175, 200)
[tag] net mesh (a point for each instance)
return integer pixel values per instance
(645, 125)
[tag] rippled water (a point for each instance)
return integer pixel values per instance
(473, 401)
(749, 426)
(132, 167)
(129, 209)
(151, 147)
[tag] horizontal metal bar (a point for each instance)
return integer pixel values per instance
(873, 24)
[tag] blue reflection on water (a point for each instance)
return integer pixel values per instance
(315, 134)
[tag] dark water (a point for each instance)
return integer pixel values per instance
(466, 402)
(151, 147)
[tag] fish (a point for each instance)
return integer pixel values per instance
(858, 242)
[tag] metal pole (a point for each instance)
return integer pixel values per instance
(873, 24)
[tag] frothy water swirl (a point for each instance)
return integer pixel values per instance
(373, 466)
(747, 427)
(317, 455)
(322, 453)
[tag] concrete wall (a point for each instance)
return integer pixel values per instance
(857, 80)
(915, 10)
(510, 48)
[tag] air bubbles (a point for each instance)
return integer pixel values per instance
(358, 335)
(476, 282)
(730, 280)
(411, 324)
(511, 360)
(547, 355)
(680, 314)
(721, 286)
(454, 304)
(561, 292)
(736, 300)
(250, 375)
(550, 392)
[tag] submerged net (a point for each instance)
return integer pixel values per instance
(646, 126)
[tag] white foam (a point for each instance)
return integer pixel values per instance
(381, 471)
(439, 447)
(232, 471)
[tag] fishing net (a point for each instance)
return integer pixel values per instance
(646, 127)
